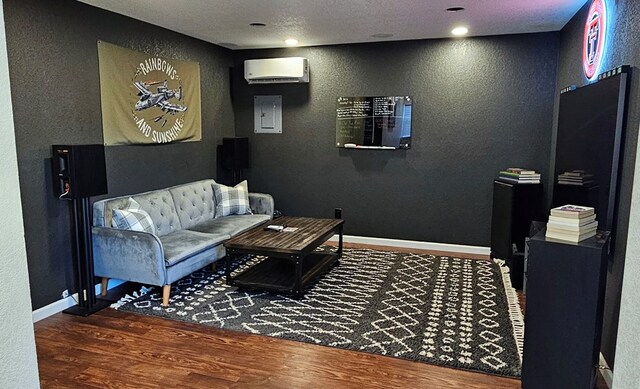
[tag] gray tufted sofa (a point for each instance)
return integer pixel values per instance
(189, 236)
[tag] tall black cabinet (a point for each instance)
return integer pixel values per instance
(563, 319)
(515, 206)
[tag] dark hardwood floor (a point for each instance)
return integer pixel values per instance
(113, 349)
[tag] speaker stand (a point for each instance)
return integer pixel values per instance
(85, 311)
(83, 261)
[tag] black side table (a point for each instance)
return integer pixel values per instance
(563, 319)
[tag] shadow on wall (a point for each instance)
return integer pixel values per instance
(371, 161)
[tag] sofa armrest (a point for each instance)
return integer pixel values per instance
(261, 203)
(128, 255)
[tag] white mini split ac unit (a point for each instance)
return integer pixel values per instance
(276, 70)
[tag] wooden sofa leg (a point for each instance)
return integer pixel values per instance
(166, 292)
(104, 286)
(214, 267)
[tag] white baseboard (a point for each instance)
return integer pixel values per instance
(62, 304)
(413, 244)
(606, 372)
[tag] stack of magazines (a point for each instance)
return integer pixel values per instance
(576, 178)
(572, 223)
(516, 175)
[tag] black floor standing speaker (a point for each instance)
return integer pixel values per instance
(235, 153)
(79, 172)
(235, 156)
(515, 206)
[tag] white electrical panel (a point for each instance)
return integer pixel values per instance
(267, 114)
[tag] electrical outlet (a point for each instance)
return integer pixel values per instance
(65, 293)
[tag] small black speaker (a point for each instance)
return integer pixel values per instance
(235, 153)
(79, 171)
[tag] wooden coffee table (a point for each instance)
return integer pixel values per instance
(291, 262)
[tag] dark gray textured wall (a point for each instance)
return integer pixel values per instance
(53, 64)
(623, 49)
(480, 105)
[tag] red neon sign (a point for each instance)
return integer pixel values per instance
(595, 31)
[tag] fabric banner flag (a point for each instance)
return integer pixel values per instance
(147, 98)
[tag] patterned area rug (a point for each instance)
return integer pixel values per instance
(447, 311)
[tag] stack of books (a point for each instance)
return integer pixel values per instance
(572, 223)
(518, 175)
(575, 177)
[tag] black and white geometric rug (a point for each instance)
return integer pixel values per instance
(447, 311)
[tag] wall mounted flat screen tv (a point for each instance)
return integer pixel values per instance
(378, 122)
(590, 133)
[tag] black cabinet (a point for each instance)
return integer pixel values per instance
(515, 206)
(563, 318)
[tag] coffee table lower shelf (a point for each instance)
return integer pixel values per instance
(279, 274)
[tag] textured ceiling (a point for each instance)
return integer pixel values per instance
(326, 22)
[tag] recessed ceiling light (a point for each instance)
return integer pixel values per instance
(381, 35)
(460, 31)
(257, 24)
(455, 9)
(291, 41)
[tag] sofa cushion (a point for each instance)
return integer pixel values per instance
(232, 225)
(103, 210)
(232, 200)
(159, 205)
(195, 202)
(180, 245)
(133, 218)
